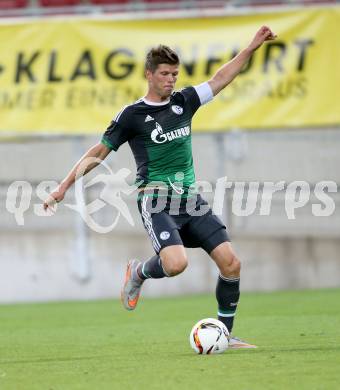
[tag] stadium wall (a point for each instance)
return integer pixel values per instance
(60, 258)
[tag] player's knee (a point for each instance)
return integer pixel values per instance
(231, 267)
(237, 265)
(176, 266)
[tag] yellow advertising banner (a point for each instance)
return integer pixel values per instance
(73, 76)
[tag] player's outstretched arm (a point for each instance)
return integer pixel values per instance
(87, 162)
(226, 74)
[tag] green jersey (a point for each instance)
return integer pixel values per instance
(159, 135)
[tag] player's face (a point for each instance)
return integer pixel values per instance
(162, 81)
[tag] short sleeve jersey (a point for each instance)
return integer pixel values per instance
(159, 136)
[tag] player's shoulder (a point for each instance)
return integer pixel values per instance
(127, 111)
(184, 94)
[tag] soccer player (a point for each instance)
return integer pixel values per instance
(158, 130)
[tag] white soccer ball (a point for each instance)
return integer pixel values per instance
(209, 336)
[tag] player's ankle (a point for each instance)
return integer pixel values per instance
(138, 275)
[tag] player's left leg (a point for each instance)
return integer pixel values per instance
(209, 232)
(228, 288)
(228, 284)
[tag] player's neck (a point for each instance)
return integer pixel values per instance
(155, 98)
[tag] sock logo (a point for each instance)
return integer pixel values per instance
(164, 235)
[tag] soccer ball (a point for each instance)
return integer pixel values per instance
(209, 336)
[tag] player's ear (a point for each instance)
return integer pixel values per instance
(148, 74)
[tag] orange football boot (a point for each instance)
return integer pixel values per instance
(131, 290)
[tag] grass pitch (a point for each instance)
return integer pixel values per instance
(100, 346)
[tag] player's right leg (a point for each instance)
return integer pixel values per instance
(132, 286)
(170, 258)
(171, 261)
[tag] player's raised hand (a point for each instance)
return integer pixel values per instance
(263, 34)
(55, 197)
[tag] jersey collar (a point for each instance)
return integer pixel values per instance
(149, 103)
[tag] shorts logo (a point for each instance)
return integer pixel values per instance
(164, 235)
(177, 110)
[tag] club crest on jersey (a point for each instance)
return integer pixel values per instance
(177, 110)
(159, 137)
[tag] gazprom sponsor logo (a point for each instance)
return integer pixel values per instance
(157, 134)
(159, 137)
